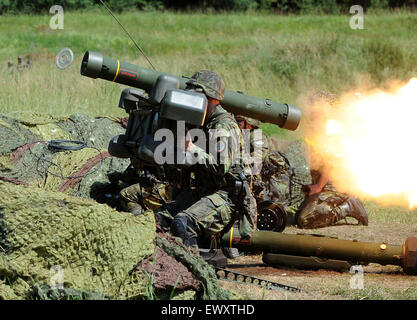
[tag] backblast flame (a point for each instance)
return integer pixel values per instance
(369, 145)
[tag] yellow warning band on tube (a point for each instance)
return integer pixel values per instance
(118, 68)
(231, 237)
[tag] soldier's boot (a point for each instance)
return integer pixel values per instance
(357, 211)
(214, 257)
(231, 253)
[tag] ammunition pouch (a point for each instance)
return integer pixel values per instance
(237, 191)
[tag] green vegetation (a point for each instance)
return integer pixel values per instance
(391, 214)
(279, 57)
(284, 6)
(377, 292)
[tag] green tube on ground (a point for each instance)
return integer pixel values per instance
(329, 248)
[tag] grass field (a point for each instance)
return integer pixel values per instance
(278, 57)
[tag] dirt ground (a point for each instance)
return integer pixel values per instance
(379, 282)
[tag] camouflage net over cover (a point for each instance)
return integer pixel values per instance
(25, 156)
(95, 246)
(48, 221)
(196, 264)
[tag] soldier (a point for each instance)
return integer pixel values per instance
(321, 205)
(149, 191)
(324, 205)
(222, 193)
(258, 143)
(271, 180)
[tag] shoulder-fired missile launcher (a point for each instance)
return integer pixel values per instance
(95, 65)
(166, 102)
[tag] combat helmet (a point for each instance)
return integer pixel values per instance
(211, 83)
(253, 122)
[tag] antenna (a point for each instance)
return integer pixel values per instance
(127, 32)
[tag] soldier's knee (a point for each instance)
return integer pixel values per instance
(124, 193)
(303, 223)
(305, 220)
(130, 200)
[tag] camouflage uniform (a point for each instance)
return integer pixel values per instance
(273, 180)
(150, 191)
(279, 181)
(138, 197)
(327, 207)
(273, 183)
(215, 205)
(258, 144)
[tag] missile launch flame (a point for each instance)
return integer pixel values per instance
(368, 141)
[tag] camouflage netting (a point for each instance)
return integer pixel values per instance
(48, 220)
(95, 246)
(25, 156)
(206, 275)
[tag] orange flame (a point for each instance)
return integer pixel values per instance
(369, 144)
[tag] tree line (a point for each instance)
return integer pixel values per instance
(279, 6)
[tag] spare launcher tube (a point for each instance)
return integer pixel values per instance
(329, 248)
(95, 65)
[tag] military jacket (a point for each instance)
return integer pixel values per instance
(222, 156)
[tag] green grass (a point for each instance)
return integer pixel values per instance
(279, 57)
(376, 292)
(391, 214)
